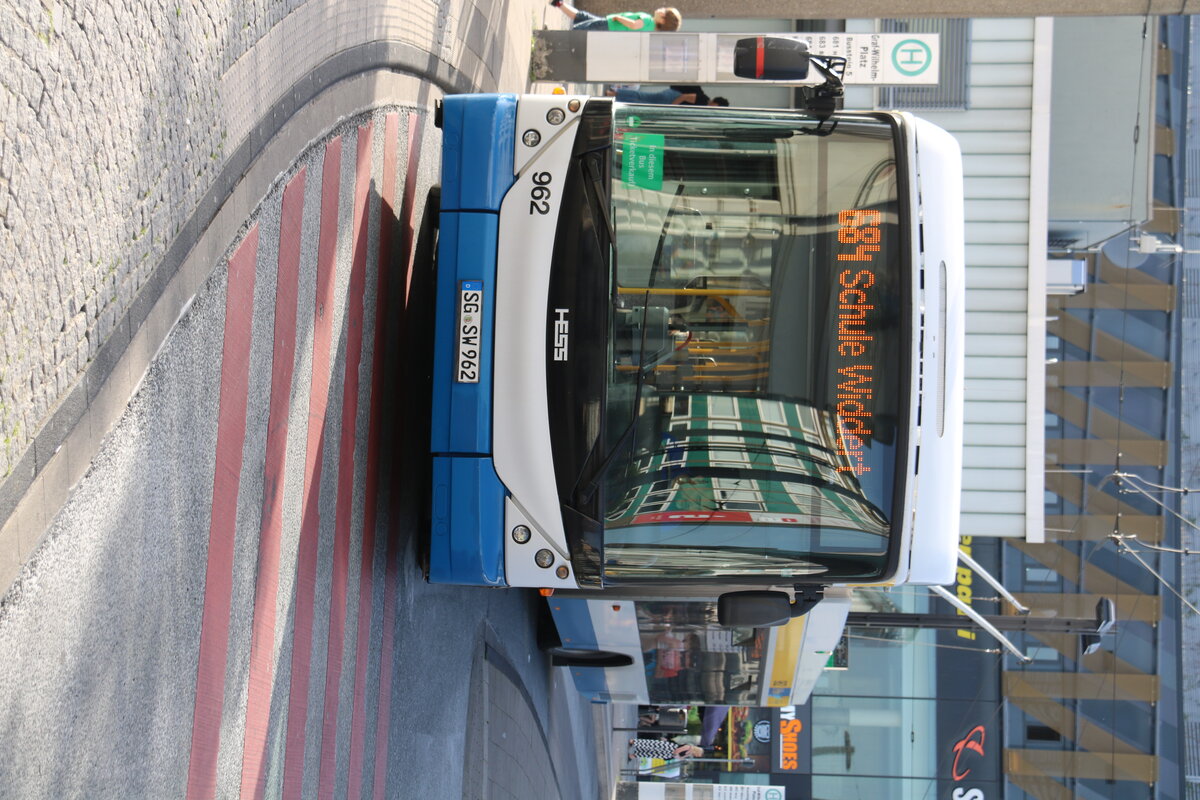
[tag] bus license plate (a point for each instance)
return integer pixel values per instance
(470, 331)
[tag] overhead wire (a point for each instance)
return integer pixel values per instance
(1161, 504)
(1132, 537)
(1123, 546)
(1159, 486)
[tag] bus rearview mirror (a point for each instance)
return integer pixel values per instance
(761, 609)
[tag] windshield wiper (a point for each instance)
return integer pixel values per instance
(662, 237)
(584, 495)
(584, 490)
(758, 134)
(593, 190)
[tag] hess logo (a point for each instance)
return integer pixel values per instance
(562, 329)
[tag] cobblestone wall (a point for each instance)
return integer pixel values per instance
(110, 137)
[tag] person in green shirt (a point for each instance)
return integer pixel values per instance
(663, 19)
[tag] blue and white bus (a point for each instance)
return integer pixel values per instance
(693, 355)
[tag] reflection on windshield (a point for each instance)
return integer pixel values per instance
(723, 485)
(757, 345)
(648, 560)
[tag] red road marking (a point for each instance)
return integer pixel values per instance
(345, 483)
(383, 721)
(310, 525)
(262, 643)
(370, 514)
(218, 579)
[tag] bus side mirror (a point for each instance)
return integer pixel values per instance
(770, 58)
(774, 58)
(762, 609)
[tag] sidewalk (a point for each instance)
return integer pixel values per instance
(614, 715)
(509, 754)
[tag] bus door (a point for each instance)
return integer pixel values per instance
(664, 652)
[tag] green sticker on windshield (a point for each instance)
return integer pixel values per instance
(642, 164)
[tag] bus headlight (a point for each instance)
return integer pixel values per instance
(531, 138)
(555, 116)
(543, 558)
(521, 534)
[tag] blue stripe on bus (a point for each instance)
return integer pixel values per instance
(466, 540)
(478, 141)
(573, 620)
(461, 419)
(467, 522)
(592, 683)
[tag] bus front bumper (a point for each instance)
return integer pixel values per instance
(467, 513)
(465, 544)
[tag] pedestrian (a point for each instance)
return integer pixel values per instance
(700, 97)
(662, 748)
(668, 95)
(663, 19)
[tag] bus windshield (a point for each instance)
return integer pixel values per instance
(757, 366)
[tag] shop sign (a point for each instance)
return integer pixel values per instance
(793, 748)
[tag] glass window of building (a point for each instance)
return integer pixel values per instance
(874, 736)
(1040, 577)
